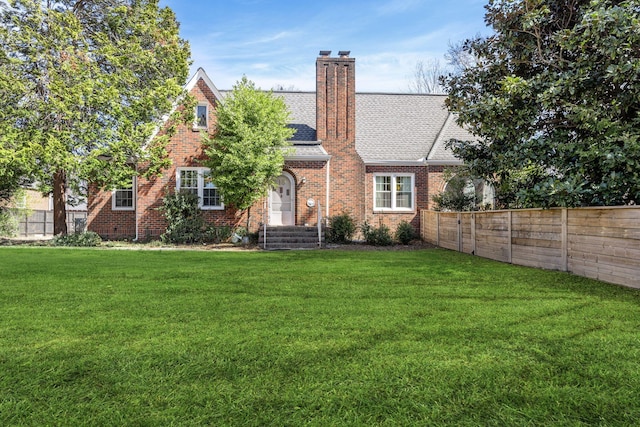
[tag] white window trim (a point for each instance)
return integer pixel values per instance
(124, 208)
(393, 207)
(196, 126)
(201, 173)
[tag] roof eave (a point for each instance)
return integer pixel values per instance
(320, 158)
(432, 162)
(419, 162)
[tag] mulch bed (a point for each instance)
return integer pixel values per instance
(356, 246)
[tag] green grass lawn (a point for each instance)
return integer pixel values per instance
(427, 337)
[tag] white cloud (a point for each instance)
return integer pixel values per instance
(271, 38)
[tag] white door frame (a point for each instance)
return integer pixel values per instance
(277, 219)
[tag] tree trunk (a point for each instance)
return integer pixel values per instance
(59, 203)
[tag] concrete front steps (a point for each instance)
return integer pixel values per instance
(291, 237)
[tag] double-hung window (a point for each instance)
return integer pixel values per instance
(124, 199)
(393, 192)
(198, 181)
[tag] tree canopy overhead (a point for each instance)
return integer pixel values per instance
(554, 96)
(246, 153)
(84, 78)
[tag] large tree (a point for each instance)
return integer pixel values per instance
(95, 78)
(554, 96)
(246, 152)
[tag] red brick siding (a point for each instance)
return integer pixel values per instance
(314, 187)
(109, 224)
(436, 183)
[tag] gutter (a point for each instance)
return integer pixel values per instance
(419, 162)
(444, 162)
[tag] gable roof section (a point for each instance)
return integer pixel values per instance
(397, 129)
(439, 154)
(193, 81)
(201, 74)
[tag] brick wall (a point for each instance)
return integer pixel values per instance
(314, 174)
(436, 182)
(110, 224)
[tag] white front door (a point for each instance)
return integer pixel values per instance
(282, 201)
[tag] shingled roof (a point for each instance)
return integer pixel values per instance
(451, 130)
(390, 128)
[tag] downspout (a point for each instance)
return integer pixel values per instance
(135, 205)
(320, 219)
(265, 217)
(328, 188)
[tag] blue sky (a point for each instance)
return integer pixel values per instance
(277, 42)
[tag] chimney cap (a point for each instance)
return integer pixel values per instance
(344, 53)
(325, 52)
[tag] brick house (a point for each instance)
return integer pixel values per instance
(378, 156)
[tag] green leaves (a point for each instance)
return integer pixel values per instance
(246, 153)
(556, 88)
(88, 78)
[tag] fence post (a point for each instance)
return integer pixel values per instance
(564, 239)
(473, 234)
(459, 232)
(509, 245)
(437, 228)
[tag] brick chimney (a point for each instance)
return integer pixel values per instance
(336, 128)
(335, 97)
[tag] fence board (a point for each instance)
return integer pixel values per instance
(495, 253)
(577, 240)
(537, 257)
(607, 213)
(607, 273)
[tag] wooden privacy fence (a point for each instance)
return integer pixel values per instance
(599, 242)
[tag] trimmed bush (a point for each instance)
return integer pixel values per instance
(88, 238)
(341, 228)
(380, 236)
(405, 233)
